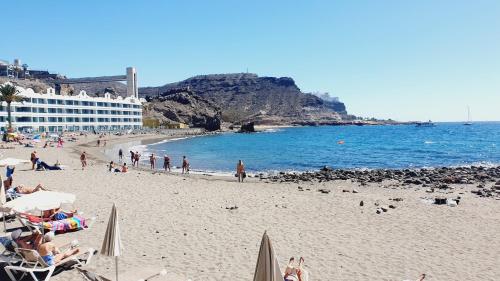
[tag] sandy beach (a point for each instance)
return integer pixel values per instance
(181, 222)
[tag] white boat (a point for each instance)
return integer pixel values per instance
(468, 123)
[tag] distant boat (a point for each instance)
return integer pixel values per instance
(425, 124)
(468, 123)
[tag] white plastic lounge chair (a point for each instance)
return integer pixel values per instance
(33, 263)
(9, 257)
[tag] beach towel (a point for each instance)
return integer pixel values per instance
(65, 225)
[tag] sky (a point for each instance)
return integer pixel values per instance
(405, 60)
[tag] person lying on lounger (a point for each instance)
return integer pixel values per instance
(58, 214)
(50, 253)
(21, 189)
(32, 241)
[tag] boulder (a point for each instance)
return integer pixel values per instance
(247, 128)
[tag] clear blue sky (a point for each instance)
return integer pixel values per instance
(407, 60)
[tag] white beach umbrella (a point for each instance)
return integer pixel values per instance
(12, 162)
(112, 244)
(38, 202)
(267, 268)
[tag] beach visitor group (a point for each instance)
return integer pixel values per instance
(185, 165)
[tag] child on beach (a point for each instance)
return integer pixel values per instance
(124, 168)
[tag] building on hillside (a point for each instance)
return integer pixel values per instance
(176, 126)
(56, 113)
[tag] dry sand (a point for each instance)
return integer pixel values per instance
(181, 223)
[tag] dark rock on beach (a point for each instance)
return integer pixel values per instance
(435, 179)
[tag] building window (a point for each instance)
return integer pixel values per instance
(52, 110)
(51, 101)
(60, 102)
(23, 119)
(23, 109)
(41, 110)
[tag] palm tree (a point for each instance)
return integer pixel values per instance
(9, 93)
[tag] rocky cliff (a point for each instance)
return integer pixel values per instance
(265, 100)
(183, 107)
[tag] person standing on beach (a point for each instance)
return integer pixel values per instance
(240, 171)
(33, 159)
(185, 165)
(137, 156)
(83, 159)
(152, 161)
(166, 163)
(132, 157)
(120, 154)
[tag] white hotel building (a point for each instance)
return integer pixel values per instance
(50, 112)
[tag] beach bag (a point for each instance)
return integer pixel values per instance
(244, 174)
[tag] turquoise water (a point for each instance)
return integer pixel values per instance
(310, 148)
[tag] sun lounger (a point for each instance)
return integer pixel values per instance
(33, 263)
(75, 223)
(7, 256)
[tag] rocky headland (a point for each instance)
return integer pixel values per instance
(244, 98)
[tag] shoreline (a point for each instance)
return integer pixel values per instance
(428, 177)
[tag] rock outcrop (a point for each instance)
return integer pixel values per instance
(184, 107)
(247, 98)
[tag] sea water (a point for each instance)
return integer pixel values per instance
(359, 147)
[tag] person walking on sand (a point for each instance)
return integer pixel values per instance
(152, 161)
(185, 165)
(132, 157)
(166, 163)
(33, 159)
(98, 142)
(120, 154)
(240, 171)
(83, 159)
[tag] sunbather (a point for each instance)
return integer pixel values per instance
(21, 189)
(58, 214)
(32, 241)
(290, 270)
(50, 253)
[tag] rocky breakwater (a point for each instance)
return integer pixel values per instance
(487, 179)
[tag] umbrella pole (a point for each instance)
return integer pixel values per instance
(4, 224)
(116, 266)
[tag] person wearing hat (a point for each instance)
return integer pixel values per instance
(29, 242)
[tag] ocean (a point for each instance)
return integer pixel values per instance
(346, 147)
